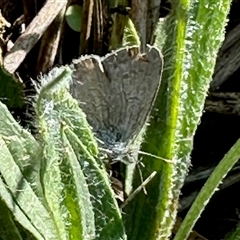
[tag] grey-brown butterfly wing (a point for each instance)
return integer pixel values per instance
(118, 90)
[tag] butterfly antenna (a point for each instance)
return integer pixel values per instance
(134, 193)
(141, 178)
(152, 155)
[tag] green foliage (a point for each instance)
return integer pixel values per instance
(130, 37)
(193, 34)
(47, 175)
(56, 187)
(208, 190)
(74, 17)
(11, 90)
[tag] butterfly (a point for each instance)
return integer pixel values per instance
(117, 93)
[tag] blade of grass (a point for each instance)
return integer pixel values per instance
(194, 32)
(208, 190)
